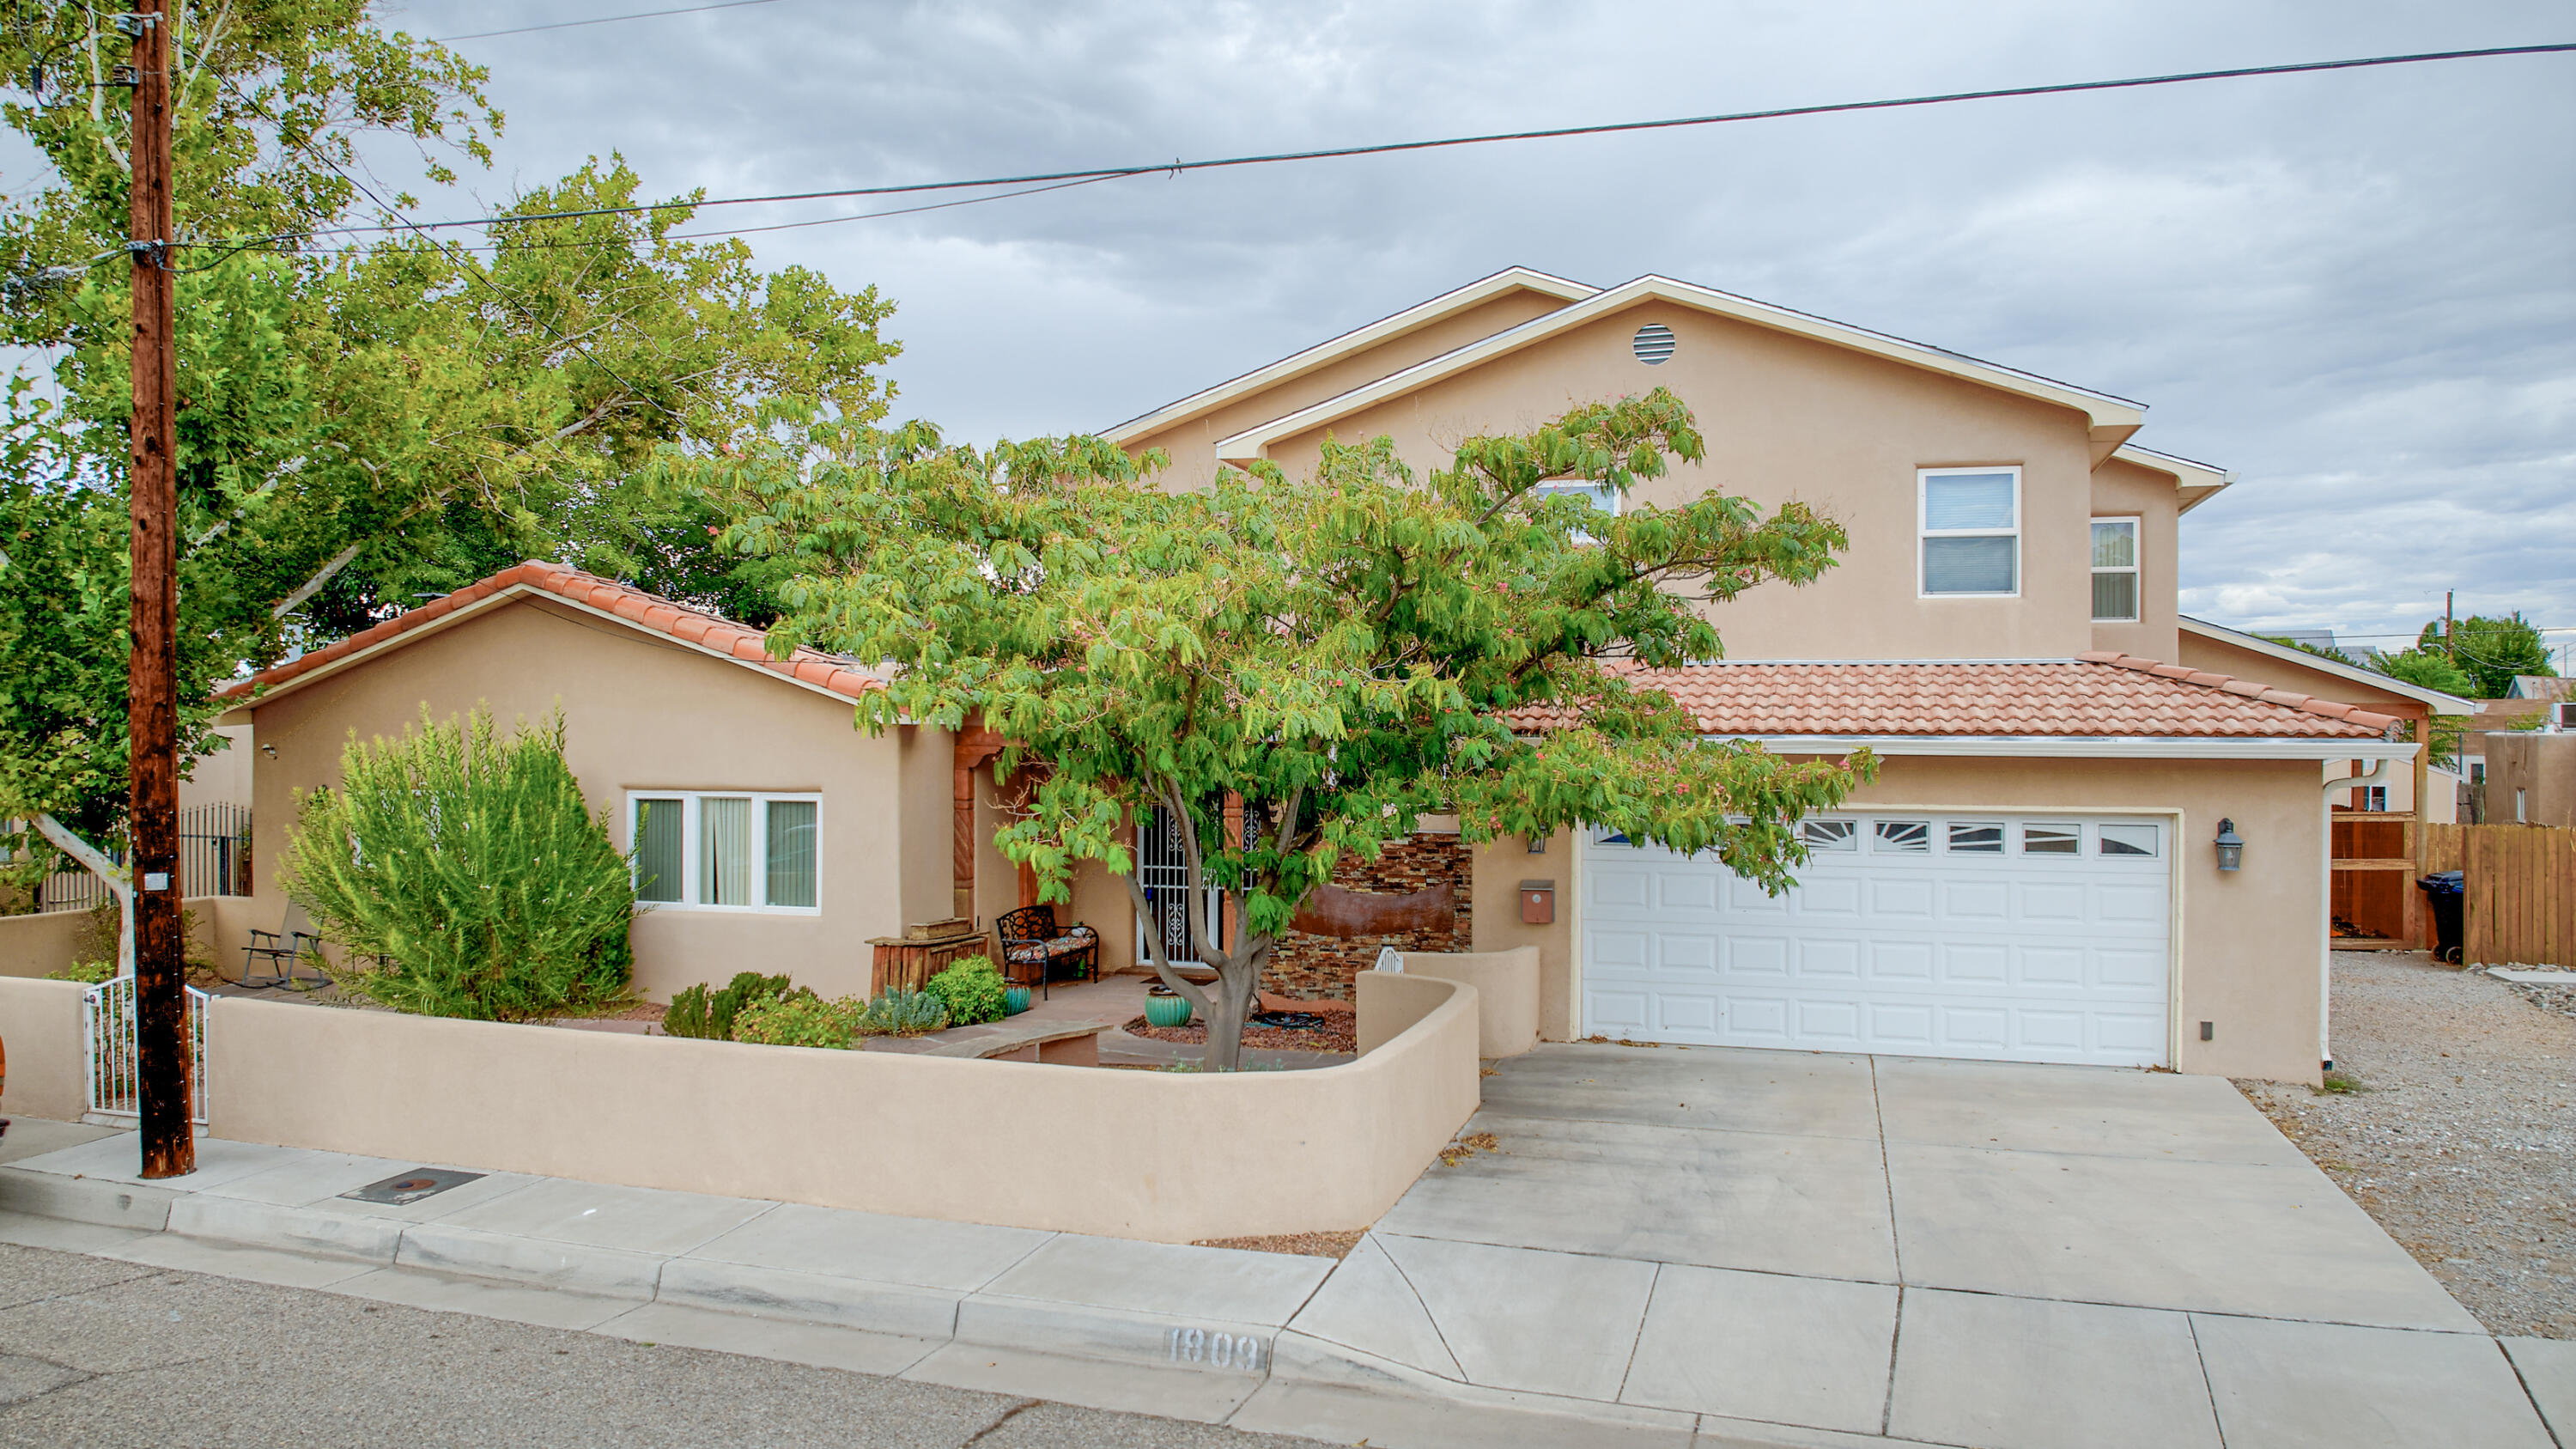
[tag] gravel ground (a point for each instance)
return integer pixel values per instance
(102, 1354)
(2460, 1138)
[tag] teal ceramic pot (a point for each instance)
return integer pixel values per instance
(1015, 999)
(1167, 1011)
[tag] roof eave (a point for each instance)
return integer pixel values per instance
(2164, 747)
(2443, 704)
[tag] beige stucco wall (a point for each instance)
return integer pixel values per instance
(221, 775)
(40, 1030)
(2541, 766)
(48, 941)
(1192, 442)
(2122, 489)
(642, 714)
(1500, 866)
(1790, 417)
(1507, 990)
(1163, 1156)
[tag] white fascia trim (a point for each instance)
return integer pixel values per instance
(1421, 314)
(2197, 482)
(2138, 747)
(2443, 704)
(492, 601)
(2100, 409)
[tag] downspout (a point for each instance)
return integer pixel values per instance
(2325, 907)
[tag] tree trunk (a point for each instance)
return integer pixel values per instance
(106, 870)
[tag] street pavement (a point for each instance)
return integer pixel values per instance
(103, 1353)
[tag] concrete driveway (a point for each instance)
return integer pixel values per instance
(1963, 1253)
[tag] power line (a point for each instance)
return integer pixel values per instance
(598, 20)
(1176, 166)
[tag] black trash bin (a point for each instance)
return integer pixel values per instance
(2443, 891)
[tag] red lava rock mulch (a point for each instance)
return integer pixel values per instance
(1339, 1033)
(1310, 1245)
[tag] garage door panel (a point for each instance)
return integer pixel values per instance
(1973, 953)
(1756, 956)
(1837, 961)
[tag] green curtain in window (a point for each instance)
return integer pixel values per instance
(660, 845)
(724, 851)
(791, 852)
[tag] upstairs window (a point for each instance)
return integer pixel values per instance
(1971, 532)
(2115, 570)
(712, 850)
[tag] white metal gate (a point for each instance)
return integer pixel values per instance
(108, 1042)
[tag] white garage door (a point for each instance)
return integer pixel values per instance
(2013, 938)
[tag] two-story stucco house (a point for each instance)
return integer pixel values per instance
(2034, 876)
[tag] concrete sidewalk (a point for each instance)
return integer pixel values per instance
(1675, 1249)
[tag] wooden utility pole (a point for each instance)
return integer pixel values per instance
(2450, 631)
(163, 1061)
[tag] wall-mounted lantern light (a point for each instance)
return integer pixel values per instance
(2231, 846)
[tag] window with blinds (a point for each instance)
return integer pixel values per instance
(719, 850)
(1970, 522)
(2115, 570)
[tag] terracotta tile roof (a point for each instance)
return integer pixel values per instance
(2093, 694)
(830, 673)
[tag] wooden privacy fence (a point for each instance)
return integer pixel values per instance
(2521, 904)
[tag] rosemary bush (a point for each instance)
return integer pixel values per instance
(465, 875)
(704, 1012)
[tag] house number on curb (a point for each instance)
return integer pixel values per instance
(1217, 1350)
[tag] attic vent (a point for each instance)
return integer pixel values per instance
(1654, 344)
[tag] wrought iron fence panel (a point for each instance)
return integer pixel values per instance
(109, 1045)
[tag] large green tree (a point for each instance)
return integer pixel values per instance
(365, 416)
(2490, 651)
(1343, 652)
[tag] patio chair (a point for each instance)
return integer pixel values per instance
(1033, 948)
(283, 947)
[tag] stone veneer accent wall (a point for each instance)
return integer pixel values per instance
(1321, 967)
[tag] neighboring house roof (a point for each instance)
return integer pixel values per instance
(2541, 686)
(2443, 704)
(2111, 419)
(647, 613)
(2097, 695)
(1322, 354)
(2196, 482)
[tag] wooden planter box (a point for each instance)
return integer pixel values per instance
(910, 961)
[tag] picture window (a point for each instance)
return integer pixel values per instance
(716, 850)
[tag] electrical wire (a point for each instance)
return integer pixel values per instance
(1176, 166)
(599, 20)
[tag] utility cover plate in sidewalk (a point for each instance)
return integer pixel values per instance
(412, 1186)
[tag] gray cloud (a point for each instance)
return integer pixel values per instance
(2357, 290)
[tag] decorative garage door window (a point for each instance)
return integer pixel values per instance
(2022, 938)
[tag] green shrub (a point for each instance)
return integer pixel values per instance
(899, 1012)
(971, 989)
(700, 1012)
(800, 1018)
(88, 973)
(465, 875)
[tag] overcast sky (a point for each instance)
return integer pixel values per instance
(2356, 290)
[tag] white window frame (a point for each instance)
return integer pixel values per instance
(2136, 569)
(1922, 530)
(689, 853)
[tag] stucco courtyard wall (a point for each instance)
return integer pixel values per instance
(1507, 988)
(1162, 1156)
(641, 715)
(40, 1030)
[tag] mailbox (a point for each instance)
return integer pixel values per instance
(1538, 903)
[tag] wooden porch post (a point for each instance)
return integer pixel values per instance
(975, 746)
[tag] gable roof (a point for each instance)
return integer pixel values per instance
(633, 608)
(2110, 420)
(2441, 703)
(2196, 482)
(1359, 339)
(2101, 696)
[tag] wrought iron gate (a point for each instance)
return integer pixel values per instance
(1162, 870)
